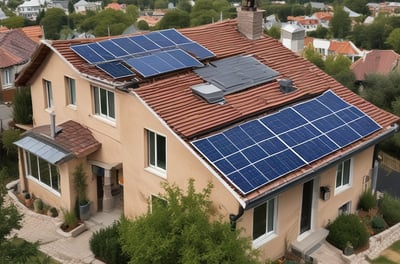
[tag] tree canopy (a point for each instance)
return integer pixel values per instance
(175, 18)
(178, 229)
(340, 23)
(52, 22)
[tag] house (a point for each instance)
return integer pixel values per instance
(30, 9)
(116, 6)
(286, 147)
(327, 47)
(82, 6)
(16, 49)
(376, 62)
(308, 23)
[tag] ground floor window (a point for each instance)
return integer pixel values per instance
(264, 220)
(43, 171)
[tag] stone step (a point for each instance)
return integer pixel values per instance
(310, 243)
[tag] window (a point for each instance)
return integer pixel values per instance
(156, 150)
(7, 77)
(157, 202)
(264, 221)
(44, 172)
(343, 174)
(49, 94)
(71, 91)
(345, 209)
(104, 104)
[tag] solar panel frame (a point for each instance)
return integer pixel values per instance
(113, 48)
(116, 69)
(141, 67)
(196, 49)
(184, 58)
(101, 51)
(129, 46)
(87, 53)
(145, 43)
(160, 40)
(175, 36)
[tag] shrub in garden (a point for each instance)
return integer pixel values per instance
(347, 229)
(389, 207)
(378, 224)
(105, 245)
(367, 200)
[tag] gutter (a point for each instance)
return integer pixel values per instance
(310, 174)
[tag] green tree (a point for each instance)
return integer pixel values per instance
(274, 32)
(142, 25)
(359, 6)
(10, 219)
(133, 13)
(335, 64)
(160, 4)
(340, 23)
(52, 22)
(313, 56)
(108, 22)
(13, 22)
(175, 18)
(22, 106)
(178, 230)
(185, 6)
(394, 40)
(8, 137)
(320, 32)
(203, 12)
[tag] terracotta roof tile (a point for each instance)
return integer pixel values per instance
(35, 33)
(375, 61)
(16, 47)
(73, 137)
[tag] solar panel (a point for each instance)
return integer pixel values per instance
(128, 45)
(184, 58)
(143, 68)
(87, 53)
(197, 50)
(145, 43)
(256, 152)
(113, 48)
(160, 40)
(101, 51)
(175, 36)
(115, 69)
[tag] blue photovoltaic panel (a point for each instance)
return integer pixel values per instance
(258, 151)
(115, 69)
(144, 69)
(157, 63)
(87, 53)
(160, 40)
(184, 58)
(128, 45)
(145, 43)
(101, 51)
(171, 60)
(197, 50)
(175, 36)
(113, 48)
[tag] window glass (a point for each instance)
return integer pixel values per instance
(259, 220)
(71, 91)
(156, 150)
(104, 102)
(161, 151)
(343, 173)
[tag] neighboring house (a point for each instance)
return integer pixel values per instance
(286, 147)
(61, 4)
(30, 9)
(389, 8)
(35, 33)
(376, 62)
(82, 6)
(116, 6)
(351, 13)
(317, 5)
(327, 47)
(308, 23)
(16, 49)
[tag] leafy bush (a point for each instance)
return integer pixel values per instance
(8, 137)
(390, 209)
(347, 229)
(378, 224)
(22, 105)
(105, 245)
(367, 200)
(70, 220)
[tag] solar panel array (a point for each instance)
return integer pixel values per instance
(259, 151)
(150, 54)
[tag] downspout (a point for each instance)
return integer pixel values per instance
(233, 218)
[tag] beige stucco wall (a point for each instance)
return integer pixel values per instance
(124, 141)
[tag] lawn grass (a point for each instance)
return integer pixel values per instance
(382, 260)
(396, 246)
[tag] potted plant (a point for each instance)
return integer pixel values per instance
(81, 188)
(28, 199)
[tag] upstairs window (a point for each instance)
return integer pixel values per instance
(104, 103)
(48, 94)
(157, 155)
(343, 174)
(7, 77)
(71, 91)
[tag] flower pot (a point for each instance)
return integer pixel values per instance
(84, 211)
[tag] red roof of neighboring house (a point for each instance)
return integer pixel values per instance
(375, 61)
(171, 98)
(342, 47)
(150, 20)
(15, 48)
(327, 16)
(33, 32)
(115, 6)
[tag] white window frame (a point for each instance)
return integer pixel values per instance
(71, 90)
(7, 82)
(153, 153)
(30, 175)
(341, 172)
(48, 93)
(108, 109)
(269, 233)
(345, 208)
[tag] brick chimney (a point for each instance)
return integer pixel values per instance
(250, 20)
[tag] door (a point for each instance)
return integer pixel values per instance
(306, 206)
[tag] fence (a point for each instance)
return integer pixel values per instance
(389, 161)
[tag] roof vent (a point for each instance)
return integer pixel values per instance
(209, 92)
(286, 86)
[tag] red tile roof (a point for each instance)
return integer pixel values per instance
(73, 137)
(342, 47)
(375, 61)
(35, 33)
(15, 48)
(171, 98)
